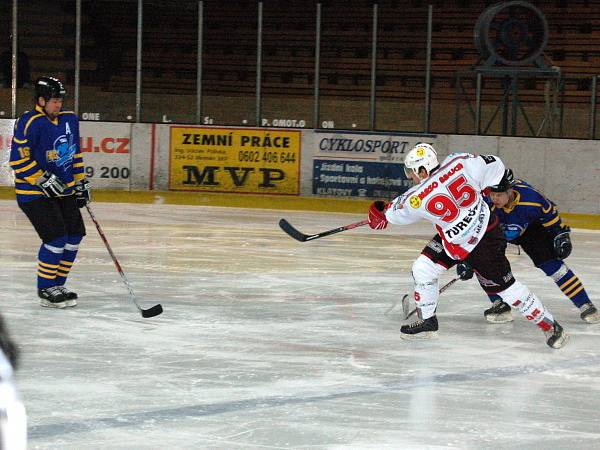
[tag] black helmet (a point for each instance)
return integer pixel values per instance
(49, 87)
(507, 181)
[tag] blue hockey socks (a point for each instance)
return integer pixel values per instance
(68, 258)
(567, 281)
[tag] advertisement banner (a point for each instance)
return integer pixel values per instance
(234, 160)
(6, 133)
(106, 150)
(359, 179)
(354, 164)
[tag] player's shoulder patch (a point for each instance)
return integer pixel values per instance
(414, 201)
(399, 203)
(488, 158)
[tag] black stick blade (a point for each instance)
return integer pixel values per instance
(291, 231)
(151, 312)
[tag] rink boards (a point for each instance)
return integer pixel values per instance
(308, 163)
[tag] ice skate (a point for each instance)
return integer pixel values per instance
(500, 312)
(556, 337)
(52, 297)
(420, 329)
(589, 313)
(70, 296)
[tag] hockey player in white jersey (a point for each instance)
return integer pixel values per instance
(450, 196)
(13, 417)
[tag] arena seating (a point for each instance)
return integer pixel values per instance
(229, 51)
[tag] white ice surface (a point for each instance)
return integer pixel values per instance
(268, 343)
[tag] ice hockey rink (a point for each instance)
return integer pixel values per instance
(269, 343)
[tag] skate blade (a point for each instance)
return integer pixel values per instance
(48, 304)
(561, 342)
(425, 335)
(502, 318)
(592, 318)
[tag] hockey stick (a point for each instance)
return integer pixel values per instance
(299, 236)
(405, 300)
(150, 312)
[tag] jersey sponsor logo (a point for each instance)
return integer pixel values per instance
(450, 172)
(480, 224)
(480, 220)
(473, 241)
(435, 246)
(512, 231)
(484, 281)
(399, 204)
(428, 190)
(51, 155)
(530, 309)
(415, 201)
(445, 177)
(464, 224)
(536, 312)
(488, 158)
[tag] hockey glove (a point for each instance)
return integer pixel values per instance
(377, 220)
(562, 244)
(83, 193)
(51, 185)
(464, 270)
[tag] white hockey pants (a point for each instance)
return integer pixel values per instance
(425, 275)
(520, 297)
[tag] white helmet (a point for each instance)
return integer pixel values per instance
(421, 155)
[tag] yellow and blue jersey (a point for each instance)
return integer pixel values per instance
(41, 144)
(528, 207)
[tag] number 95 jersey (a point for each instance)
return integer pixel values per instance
(451, 198)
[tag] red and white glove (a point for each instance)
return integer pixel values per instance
(377, 220)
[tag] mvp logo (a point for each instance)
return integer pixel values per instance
(239, 176)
